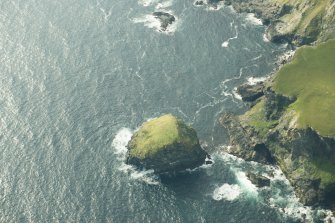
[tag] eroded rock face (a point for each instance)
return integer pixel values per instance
(166, 145)
(251, 92)
(243, 143)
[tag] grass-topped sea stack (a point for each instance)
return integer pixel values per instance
(165, 144)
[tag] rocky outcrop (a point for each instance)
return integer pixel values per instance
(243, 141)
(165, 19)
(251, 93)
(258, 180)
(166, 145)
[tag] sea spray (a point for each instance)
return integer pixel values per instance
(119, 145)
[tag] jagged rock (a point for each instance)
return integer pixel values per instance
(258, 180)
(242, 142)
(166, 145)
(165, 19)
(251, 93)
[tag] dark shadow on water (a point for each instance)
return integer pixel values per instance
(187, 183)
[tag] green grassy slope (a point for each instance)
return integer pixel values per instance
(160, 132)
(310, 77)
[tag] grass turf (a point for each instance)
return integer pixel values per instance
(159, 133)
(310, 77)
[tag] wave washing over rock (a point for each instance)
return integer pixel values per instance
(279, 195)
(119, 145)
(162, 18)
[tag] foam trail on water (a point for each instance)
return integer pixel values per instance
(225, 44)
(119, 145)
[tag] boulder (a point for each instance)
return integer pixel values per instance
(258, 180)
(166, 145)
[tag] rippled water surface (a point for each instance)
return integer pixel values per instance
(78, 77)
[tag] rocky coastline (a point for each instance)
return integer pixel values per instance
(297, 22)
(268, 133)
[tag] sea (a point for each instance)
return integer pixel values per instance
(78, 77)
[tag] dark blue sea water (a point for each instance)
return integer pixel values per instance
(77, 77)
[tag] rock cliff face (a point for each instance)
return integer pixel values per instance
(297, 21)
(268, 133)
(166, 145)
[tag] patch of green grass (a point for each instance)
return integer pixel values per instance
(310, 77)
(160, 132)
(324, 169)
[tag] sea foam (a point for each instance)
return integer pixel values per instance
(119, 145)
(251, 18)
(227, 192)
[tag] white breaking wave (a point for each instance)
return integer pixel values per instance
(120, 142)
(255, 80)
(245, 183)
(265, 38)
(227, 192)
(280, 195)
(119, 146)
(236, 95)
(251, 18)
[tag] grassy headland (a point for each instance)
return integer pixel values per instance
(310, 77)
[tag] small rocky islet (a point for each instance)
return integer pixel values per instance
(166, 19)
(166, 145)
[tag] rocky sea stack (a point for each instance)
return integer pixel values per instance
(166, 145)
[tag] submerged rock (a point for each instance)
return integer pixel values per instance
(165, 144)
(165, 19)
